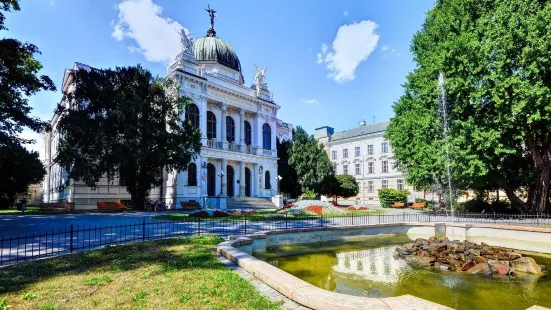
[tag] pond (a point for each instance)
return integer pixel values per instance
(365, 267)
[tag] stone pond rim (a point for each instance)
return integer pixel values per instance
(472, 258)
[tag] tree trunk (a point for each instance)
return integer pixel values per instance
(516, 203)
(541, 155)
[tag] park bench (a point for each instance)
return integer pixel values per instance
(190, 205)
(111, 206)
(417, 205)
(56, 206)
(398, 205)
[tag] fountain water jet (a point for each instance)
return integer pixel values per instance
(443, 113)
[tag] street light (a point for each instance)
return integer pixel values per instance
(278, 187)
(221, 175)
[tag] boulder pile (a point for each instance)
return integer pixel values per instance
(467, 256)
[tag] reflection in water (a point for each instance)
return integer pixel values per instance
(366, 268)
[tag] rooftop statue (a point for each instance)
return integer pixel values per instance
(185, 41)
(211, 32)
(260, 76)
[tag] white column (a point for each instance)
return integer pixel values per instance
(255, 188)
(223, 128)
(242, 129)
(257, 133)
(224, 165)
(273, 127)
(203, 120)
(242, 178)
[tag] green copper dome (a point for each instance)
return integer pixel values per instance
(214, 49)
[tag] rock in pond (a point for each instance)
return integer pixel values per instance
(527, 265)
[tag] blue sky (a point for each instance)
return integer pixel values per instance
(329, 62)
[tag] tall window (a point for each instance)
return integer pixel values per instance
(266, 137)
(345, 169)
(357, 151)
(370, 186)
(384, 184)
(334, 155)
(192, 115)
(211, 125)
(384, 147)
(370, 149)
(400, 184)
(398, 167)
(370, 167)
(358, 170)
(345, 153)
(267, 183)
(248, 133)
(191, 174)
(230, 129)
(384, 166)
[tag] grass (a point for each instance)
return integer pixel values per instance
(180, 273)
(268, 215)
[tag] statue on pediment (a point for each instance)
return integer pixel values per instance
(260, 76)
(186, 42)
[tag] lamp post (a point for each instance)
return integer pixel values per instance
(221, 175)
(278, 182)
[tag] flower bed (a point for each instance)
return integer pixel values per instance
(311, 207)
(209, 213)
(357, 208)
(244, 211)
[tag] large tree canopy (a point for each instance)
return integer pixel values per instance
(311, 163)
(345, 186)
(125, 123)
(495, 56)
(289, 180)
(19, 80)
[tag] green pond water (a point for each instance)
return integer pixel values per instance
(365, 267)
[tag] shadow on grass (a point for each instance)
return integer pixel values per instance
(195, 254)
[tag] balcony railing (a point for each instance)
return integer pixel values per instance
(234, 147)
(215, 144)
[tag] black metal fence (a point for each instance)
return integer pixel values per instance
(73, 238)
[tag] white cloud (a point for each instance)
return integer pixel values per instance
(311, 101)
(388, 51)
(352, 45)
(38, 146)
(156, 36)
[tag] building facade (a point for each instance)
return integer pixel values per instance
(239, 128)
(364, 153)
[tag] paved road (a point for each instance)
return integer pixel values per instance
(95, 230)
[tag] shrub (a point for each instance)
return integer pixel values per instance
(218, 213)
(200, 213)
(388, 196)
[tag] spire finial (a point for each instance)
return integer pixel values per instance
(211, 32)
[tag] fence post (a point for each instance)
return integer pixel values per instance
(286, 221)
(245, 225)
(143, 229)
(71, 241)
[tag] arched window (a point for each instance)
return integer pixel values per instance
(192, 174)
(248, 133)
(230, 129)
(266, 137)
(267, 184)
(211, 125)
(192, 115)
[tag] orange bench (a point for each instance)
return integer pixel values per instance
(418, 205)
(190, 205)
(57, 206)
(398, 205)
(111, 206)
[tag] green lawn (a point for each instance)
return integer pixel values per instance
(180, 273)
(268, 215)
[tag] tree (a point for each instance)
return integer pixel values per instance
(124, 123)
(311, 162)
(496, 59)
(19, 80)
(344, 186)
(289, 180)
(18, 168)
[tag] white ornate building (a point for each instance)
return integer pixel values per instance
(239, 126)
(364, 153)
